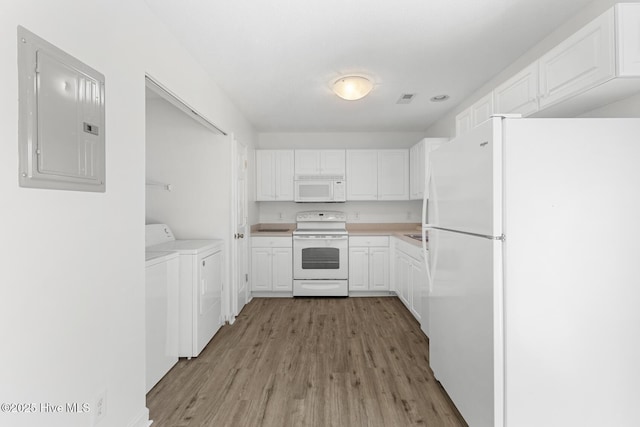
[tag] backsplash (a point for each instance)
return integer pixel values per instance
(357, 212)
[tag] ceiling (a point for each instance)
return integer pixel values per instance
(276, 59)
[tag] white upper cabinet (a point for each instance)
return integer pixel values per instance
(482, 109)
(274, 175)
(519, 94)
(320, 162)
(377, 174)
(597, 65)
(416, 171)
(362, 175)
(393, 175)
(628, 36)
(584, 60)
(463, 122)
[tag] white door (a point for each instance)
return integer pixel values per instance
(358, 269)
(362, 175)
(261, 265)
(379, 269)
(332, 162)
(239, 294)
(282, 269)
(393, 174)
(465, 187)
(307, 162)
(265, 173)
(461, 327)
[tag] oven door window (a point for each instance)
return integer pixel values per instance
(320, 258)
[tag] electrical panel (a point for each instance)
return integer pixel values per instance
(62, 118)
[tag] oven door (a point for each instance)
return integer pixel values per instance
(320, 256)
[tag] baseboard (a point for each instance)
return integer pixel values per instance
(372, 294)
(272, 294)
(142, 420)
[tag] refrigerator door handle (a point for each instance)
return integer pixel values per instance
(432, 254)
(501, 237)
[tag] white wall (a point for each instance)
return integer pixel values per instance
(628, 107)
(197, 164)
(357, 212)
(72, 263)
(350, 140)
(446, 125)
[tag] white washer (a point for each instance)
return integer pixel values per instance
(201, 283)
(161, 314)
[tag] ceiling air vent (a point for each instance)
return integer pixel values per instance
(406, 98)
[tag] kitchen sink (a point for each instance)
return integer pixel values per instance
(415, 236)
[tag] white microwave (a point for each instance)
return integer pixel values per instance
(314, 188)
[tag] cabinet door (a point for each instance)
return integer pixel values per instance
(282, 269)
(628, 36)
(378, 269)
(307, 162)
(362, 175)
(482, 110)
(402, 276)
(519, 94)
(283, 175)
(265, 173)
(358, 269)
(463, 122)
(417, 282)
(261, 269)
(393, 175)
(332, 162)
(416, 171)
(582, 61)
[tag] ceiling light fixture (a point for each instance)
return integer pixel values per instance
(439, 98)
(352, 88)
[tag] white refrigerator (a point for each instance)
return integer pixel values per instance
(534, 247)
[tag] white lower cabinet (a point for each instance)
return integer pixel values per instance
(271, 264)
(410, 280)
(369, 263)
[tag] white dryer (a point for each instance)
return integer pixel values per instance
(201, 284)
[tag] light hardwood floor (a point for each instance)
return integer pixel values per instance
(308, 362)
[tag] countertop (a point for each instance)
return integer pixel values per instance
(355, 229)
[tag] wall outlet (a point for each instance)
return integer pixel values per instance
(100, 407)
(357, 215)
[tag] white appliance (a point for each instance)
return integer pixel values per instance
(534, 242)
(161, 314)
(424, 149)
(320, 188)
(320, 254)
(201, 281)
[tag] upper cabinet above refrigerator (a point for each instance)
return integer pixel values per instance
(597, 65)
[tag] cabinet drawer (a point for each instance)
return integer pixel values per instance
(271, 242)
(369, 241)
